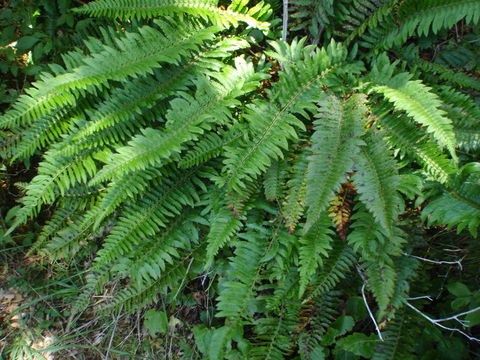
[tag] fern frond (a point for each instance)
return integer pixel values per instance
(454, 210)
(424, 17)
(424, 107)
(208, 147)
(45, 130)
(123, 189)
(336, 267)
(154, 255)
(315, 319)
(136, 54)
(273, 180)
(376, 179)
(314, 246)
(294, 204)
(468, 139)
(272, 335)
(381, 282)
(335, 143)
(147, 215)
(273, 123)
(55, 177)
(223, 227)
(405, 268)
(371, 240)
(142, 9)
(238, 293)
(136, 296)
(188, 117)
(443, 72)
(312, 15)
(364, 15)
(389, 349)
(413, 143)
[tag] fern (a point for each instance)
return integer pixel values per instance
(148, 214)
(275, 123)
(314, 246)
(186, 119)
(238, 294)
(424, 107)
(376, 179)
(127, 9)
(179, 150)
(424, 17)
(337, 129)
(129, 58)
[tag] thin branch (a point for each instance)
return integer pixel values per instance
(455, 317)
(285, 20)
(420, 297)
(183, 280)
(437, 322)
(370, 312)
(366, 303)
(439, 262)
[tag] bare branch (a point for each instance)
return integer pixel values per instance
(437, 322)
(457, 262)
(421, 297)
(285, 20)
(367, 306)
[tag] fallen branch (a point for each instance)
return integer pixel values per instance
(439, 262)
(438, 322)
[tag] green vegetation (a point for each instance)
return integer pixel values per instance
(249, 197)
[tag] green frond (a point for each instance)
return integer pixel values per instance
(324, 311)
(272, 335)
(94, 282)
(414, 144)
(311, 15)
(60, 218)
(370, 240)
(294, 204)
(468, 139)
(454, 210)
(425, 17)
(273, 123)
(376, 179)
(365, 14)
(150, 213)
(208, 147)
(136, 296)
(391, 347)
(237, 294)
(445, 73)
(187, 119)
(139, 102)
(406, 268)
(377, 249)
(314, 247)
(142, 9)
(69, 240)
(55, 176)
(335, 144)
(424, 107)
(155, 254)
(273, 180)
(335, 268)
(381, 282)
(223, 227)
(123, 189)
(136, 54)
(45, 130)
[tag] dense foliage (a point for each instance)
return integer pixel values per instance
(297, 184)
